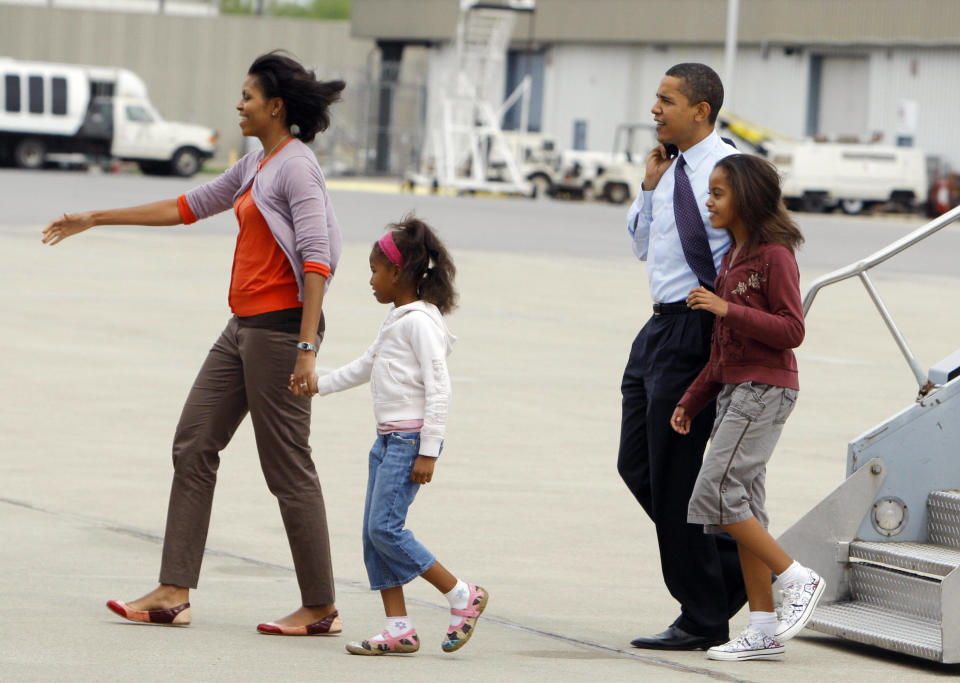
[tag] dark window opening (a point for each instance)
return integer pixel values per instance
(59, 103)
(11, 92)
(579, 134)
(35, 93)
(522, 63)
(101, 89)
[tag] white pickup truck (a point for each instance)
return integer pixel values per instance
(49, 109)
(818, 176)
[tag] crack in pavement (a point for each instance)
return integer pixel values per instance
(111, 526)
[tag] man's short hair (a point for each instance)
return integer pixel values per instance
(700, 84)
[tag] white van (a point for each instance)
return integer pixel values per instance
(818, 176)
(49, 109)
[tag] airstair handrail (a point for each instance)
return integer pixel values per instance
(860, 268)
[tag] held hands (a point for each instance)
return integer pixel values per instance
(422, 469)
(657, 164)
(303, 381)
(680, 421)
(702, 298)
(65, 226)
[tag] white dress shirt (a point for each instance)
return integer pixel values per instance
(653, 228)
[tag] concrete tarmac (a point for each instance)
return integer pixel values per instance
(103, 334)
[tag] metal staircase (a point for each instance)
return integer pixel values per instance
(887, 540)
(900, 593)
(471, 113)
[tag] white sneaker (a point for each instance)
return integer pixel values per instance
(751, 644)
(796, 608)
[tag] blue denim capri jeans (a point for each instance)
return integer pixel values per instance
(392, 555)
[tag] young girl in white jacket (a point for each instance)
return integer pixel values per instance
(407, 370)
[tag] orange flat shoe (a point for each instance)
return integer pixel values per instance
(174, 616)
(330, 625)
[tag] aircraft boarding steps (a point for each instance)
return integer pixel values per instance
(887, 540)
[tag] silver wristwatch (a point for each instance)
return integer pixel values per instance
(306, 346)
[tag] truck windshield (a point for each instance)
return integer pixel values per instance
(138, 113)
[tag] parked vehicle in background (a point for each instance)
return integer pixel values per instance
(537, 156)
(578, 172)
(614, 176)
(819, 176)
(49, 110)
(618, 181)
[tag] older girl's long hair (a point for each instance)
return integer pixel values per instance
(757, 202)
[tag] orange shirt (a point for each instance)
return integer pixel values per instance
(262, 279)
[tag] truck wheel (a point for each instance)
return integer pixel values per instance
(616, 193)
(540, 186)
(814, 202)
(29, 153)
(185, 162)
(852, 207)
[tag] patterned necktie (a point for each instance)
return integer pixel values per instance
(693, 235)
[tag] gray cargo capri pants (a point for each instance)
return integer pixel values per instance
(730, 487)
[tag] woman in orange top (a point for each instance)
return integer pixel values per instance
(287, 250)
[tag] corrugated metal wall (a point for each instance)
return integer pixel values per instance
(194, 66)
(680, 21)
(607, 85)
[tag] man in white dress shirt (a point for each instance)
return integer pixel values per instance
(670, 229)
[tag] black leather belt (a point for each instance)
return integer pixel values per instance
(671, 309)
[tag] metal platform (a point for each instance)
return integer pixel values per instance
(900, 596)
(943, 523)
(924, 559)
(884, 628)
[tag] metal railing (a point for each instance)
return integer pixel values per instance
(860, 268)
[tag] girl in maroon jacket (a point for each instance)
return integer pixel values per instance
(752, 373)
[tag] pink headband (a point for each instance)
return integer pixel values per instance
(389, 249)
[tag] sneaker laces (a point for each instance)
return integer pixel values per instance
(750, 639)
(791, 600)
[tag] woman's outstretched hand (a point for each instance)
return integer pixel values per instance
(702, 298)
(303, 381)
(680, 420)
(67, 225)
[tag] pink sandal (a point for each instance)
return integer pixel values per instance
(458, 636)
(405, 643)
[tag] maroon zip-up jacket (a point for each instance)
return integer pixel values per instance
(765, 321)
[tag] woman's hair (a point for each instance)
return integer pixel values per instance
(755, 185)
(426, 262)
(306, 99)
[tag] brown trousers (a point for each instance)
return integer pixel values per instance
(248, 370)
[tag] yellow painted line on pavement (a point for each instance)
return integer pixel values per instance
(363, 185)
(388, 187)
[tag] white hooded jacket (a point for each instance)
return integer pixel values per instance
(407, 369)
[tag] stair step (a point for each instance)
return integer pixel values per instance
(873, 625)
(893, 590)
(926, 559)
(943, 518)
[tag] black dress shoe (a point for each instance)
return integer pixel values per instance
(675, 638)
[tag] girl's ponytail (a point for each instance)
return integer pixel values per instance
(426, 262)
